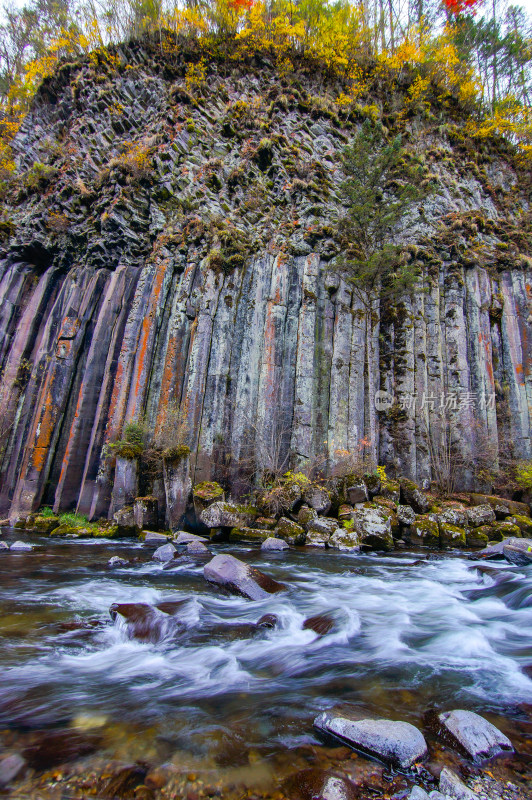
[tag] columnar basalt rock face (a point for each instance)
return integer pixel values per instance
(113, 303)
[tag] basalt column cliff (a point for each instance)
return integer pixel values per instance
(173, 247)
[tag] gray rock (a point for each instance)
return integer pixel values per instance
(197, 548)
(518, 551)
(493, 551)
(323, 525)
(435, 795)
(152, 538)
(317, 538)
(374, 527)
(11, 766)
(452, 786)
(116, 561)
(473, 735)
(125, 519)
(398, 744)
(185, 538)
(356, 492)
(3, 546)
(453, 516)
(317, 498)
(406, 515)
(480, 515)
(412, 495)
(291, 531)
(343, 539)
(227, 515)
(21, 547)
(165, 553)
(274, 544)
(418, 793)
(239, 578)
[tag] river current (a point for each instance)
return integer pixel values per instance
(410, 631)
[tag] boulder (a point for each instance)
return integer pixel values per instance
(66, 530)
(205, 494)
(513, 506)
(374, 527)
(397, 744)
(142, 621)
(345, 511)
(266, 522)
(290, 531)
(317, 538)
(418, 793)
(453, 516)
(306, 515)
(476, 537)
(472, 735)
(198, 549)
(412, 495)
(451, 535)
(239, 578)
(500, 530)
(183, 538)
(249, 535)
(44, 524)
(320, 624)
(492, 552)
(373, 483)
(391, 490)
(406, 515)
(228, 515)
(165, 553)
(344, 539)
(523, 523)
(21, 547)
(451, 786)
(146, 512)
(11, 767)
(518, 551)
(274, 544)
(317, 498)
(280, 499)
(3, 546)
(425, 532)
(152, 538)
(268, 621)
(480, 515)
(5, 523)
(356, 491)
(124, 518)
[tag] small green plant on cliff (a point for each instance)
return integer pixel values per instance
(381, 189)
(523, 475)
(133, 441)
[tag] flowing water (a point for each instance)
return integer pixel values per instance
(410, 632)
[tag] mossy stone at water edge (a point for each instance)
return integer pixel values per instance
(452, 535)
(65, 530)
(523, 523)
(425, 532)
(498, 531)
(44, 524)
(476, 537)
(249, 535)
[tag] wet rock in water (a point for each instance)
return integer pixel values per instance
(165, 553)
(452, 786)
(239, 578)
(317, 498)
(198, 549)
(268, 621)
(451, 535)
(356, 492)
(249, 535)
(492, 552)
(227, 515)
(518, 551)
(20, 547)
(183, 538)
(12, 766)
(49, 748)
(480, 515)
(44, 524)
(3, 546)
(143, 622)
(124, 784)
(291, 532)
(171, 607)
(271, 543)
(425, 532)
(412, 495)
(398, 744)
(318, 783)
(116, 561)
(473, 735)
(344, 539)
(152, 538)
(320, 624)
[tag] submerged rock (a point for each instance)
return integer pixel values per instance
(11, 766)
(268, 621)
(147, 623)
(239, 578)
(518, 551)
(3, 546)
(320, 624)
(452, 786)
(398, 744)
(19, 547)
(473, 735)
(271, 543)
(313, 783)
(117, 561)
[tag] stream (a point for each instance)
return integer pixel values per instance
(410, 632)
